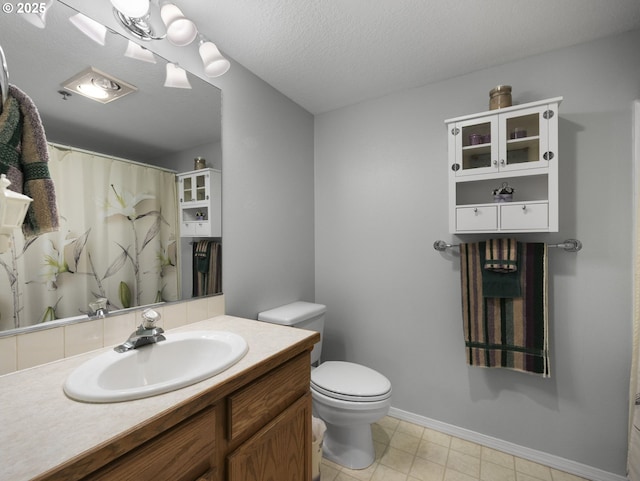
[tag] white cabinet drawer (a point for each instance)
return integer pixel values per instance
(196, 229)
(524, 216)
(477, 218)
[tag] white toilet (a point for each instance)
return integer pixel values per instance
(348, 397)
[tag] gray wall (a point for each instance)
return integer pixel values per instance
(394, 302)
(267, 187)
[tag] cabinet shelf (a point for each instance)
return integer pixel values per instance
(517, 145)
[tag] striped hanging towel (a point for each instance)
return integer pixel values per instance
(207, 268)
(501, 255)
(501, 331)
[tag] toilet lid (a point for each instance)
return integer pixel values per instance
(349, 381)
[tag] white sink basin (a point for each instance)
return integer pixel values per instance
(183, 359)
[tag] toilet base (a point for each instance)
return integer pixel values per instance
(351, 447)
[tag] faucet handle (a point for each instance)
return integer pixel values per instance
(149, 318)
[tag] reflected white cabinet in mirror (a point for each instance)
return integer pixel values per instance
(200, 203)
(491, 154)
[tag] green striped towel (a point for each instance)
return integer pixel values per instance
(506, 332)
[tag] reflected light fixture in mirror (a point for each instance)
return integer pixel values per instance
(176, 77)
(98, 86)
(92, 29)
(139, 53)
(180, 30)
(37, 15)
(214, 63)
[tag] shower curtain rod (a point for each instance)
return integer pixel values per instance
(569, 245)
(111, 157)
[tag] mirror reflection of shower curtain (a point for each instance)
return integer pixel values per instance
(633, 460)
(207, 268)
(117, 239)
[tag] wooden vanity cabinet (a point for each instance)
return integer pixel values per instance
(279, 451)
(269, 428)
(255, 427)
(185, 452)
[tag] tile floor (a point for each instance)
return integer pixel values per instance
(408, 452)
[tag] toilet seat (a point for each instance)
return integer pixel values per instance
(348, 381)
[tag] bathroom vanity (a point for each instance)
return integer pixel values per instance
(250, 422)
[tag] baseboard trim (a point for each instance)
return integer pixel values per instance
(556, 462)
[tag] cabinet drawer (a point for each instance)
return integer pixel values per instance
(477, 218)
(524, 216)
(250, 408)
(196, 229)
(183, 453)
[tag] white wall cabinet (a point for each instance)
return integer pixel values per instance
(517, 145)
(200, 203)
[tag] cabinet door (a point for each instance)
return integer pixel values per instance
(524, 138)
(280, 451)
(475, 146)
(201, 186)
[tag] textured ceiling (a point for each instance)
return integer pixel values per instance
(326, 54)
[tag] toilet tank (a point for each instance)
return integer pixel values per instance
(300, 314)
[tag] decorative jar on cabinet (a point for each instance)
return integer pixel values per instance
(517, 145)
(200, 203)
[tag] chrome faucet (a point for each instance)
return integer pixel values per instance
(98, 308)
(147, 333)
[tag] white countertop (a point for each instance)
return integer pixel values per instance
(40, 428)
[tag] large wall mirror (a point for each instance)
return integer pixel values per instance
(156, 125)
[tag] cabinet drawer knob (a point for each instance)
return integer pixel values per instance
(475, 210)
(524, 207)
(501, 161)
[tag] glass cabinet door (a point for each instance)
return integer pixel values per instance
(476, 146)
(525, 139)
(201, 187)
(187, 189)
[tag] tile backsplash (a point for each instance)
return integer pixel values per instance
(38, 347)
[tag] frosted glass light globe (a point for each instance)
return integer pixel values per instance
(132, 8)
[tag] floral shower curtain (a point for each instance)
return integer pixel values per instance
(117, 240)
(633, 463)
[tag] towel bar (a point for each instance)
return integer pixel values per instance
(569, 245)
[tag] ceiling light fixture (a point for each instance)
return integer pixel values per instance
(213, 61)
(132, 8)
(180, 30)
(134, 15)
(92, 29)
(98, 86)
(137, 16)
(176, 77)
